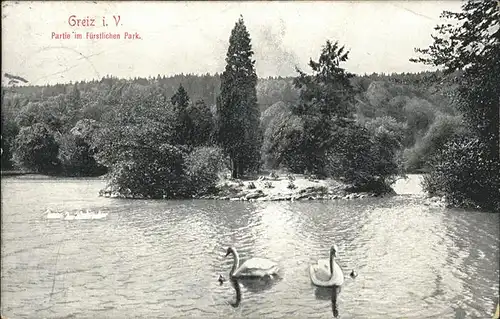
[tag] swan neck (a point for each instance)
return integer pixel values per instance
(236, 262)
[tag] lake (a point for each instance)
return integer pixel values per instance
(161, 259)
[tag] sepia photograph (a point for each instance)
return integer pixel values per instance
(250, 159)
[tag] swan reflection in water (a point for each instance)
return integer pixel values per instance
(237, 289)
(329, 293)
(257, 285)
(256, 274)
(251, 285)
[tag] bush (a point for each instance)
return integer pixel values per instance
(203, 165)
(76, 157)
(137, 140)
(366, 157)
(75, 153)
(462, 173)
(36, 149)
(440, 132)
(152, 173)
(283, 143)
(420, 114)
(367, 161)
(9, 132)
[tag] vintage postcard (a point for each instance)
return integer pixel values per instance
(253, 159)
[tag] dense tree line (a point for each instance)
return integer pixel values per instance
(467, 168)
(415, 101)
(171, 136)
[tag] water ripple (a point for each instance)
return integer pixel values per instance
(162, 258)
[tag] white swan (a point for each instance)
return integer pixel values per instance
(82, 215)
(99, 215)
(321, 274)
(255, 267)
(88, 214)
(52, 215)
(69, 216)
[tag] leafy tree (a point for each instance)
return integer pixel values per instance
(271, 91)
(75, 152)
(471, 45)
(320, 135)
(72, 108)
(325, 101)
(142, 120)
(283, 143)
(93, 105)
(151, 172)
(9, 131)
(137, 141)
(366, 159)
(36, 149)
(238, 114)
(201, 124)
(328, 91)
(38, 112)
(419, 115)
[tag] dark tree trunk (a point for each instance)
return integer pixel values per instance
(234, 167)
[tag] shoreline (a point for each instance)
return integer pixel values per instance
(288, 187)
(16, 173)
(262, 188)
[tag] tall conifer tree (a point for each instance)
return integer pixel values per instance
(180, 100)
(237, 110)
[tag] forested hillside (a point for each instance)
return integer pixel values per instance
(419, 105)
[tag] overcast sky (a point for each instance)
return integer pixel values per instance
(192, 37)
